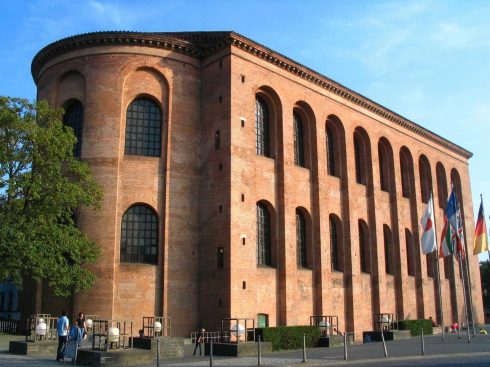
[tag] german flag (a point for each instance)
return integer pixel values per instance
(480, 243)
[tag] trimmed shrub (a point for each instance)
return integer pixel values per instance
(290, 337)
(415, 326)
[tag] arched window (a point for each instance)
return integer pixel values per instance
(384, 166)
(406, 166)
(139, 235)
(410, 253)
(332, 165)
(301, 239)
(143, 128)
(431, 262)
(389, 252)
(299, 141)
(441, 185)
(73, 118)
(448, 266)
(263, 236)
(216, 140)
(262, 128)
(221, 257)
(364, 248)
(362, 155)
(425, 178)
(336, 247)
(335, 139)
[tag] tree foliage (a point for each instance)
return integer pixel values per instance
(485, 282)
(41, 188)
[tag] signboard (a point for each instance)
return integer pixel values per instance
(71, 350)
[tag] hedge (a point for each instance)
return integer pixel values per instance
(415, 326)
(290, 337)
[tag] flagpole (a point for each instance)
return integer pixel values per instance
(468, 277)
(437, 268)
(464, 297)
(465, 273)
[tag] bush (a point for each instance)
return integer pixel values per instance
(415, 326)
(290, 337)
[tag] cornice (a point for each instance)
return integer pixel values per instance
(202, 44)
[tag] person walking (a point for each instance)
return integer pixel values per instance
(82, 327)
(62, 328)
(199, 341)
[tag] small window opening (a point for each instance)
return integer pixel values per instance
(216, 140)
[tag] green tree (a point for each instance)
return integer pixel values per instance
(485, 282)
(41, 187)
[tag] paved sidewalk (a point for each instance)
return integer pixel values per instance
(402, 350)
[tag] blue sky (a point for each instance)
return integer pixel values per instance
(426, 60)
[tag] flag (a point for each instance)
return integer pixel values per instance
(429, 235)
(447, 239)
(451, 208)
(453, 214)
(480, 243)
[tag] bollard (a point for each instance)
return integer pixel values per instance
(345, 346)
(211, 353)
(422, 341)
(259, 354)
(304, 348)
(384, 343)
(158, 352)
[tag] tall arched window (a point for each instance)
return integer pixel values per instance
(430, 262)
(301, 239)
(362, 155)
(406, 167)
(139, 235)
(335, 139)
(299, 142)
(262, 128)
(73, 118)
(410, 252)
(143, 128)
(263, 236)
(364, 248)
(441, 185)
(389, 252)
(448, 264)
(425, 178)
(336, 247)
(332, 166)
(384, 165)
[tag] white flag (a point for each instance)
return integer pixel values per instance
(428, 239)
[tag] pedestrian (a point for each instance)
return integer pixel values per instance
(199, 341)
(74, 333)
(82, 326)
(62, 328)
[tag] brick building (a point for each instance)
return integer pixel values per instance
(239, 183)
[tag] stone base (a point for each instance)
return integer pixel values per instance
(120, 357)
(334, 341)
(170, 347)
(246, 349)
(42, 348)
(375, 336)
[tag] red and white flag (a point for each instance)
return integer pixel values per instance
(428, 240)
